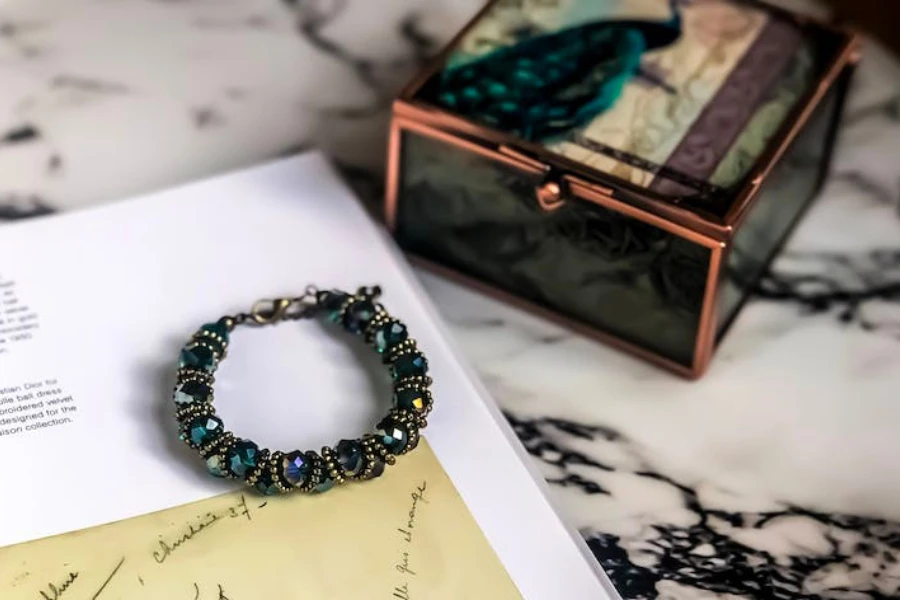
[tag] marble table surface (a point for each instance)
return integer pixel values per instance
(776, 476)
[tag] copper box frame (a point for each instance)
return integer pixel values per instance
(705, 229)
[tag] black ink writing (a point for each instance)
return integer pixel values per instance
(165, 548)
(109, 578)
(54, 591)
(34, 406)
(18, 321)
(407, 533)
(401, 592)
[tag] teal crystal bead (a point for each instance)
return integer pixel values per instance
(265, 484)
(350, 456)
(393, 434)
(296, 467)
(219, 328)
(412, 400)
(409, 365)
(192, 391)
(332, 302)
(216, 466)
(198, 357)
(324, 485)
(358, 316)
(242, 457)
(389, 335)
(204, 429)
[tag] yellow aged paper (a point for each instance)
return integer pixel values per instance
(407, 535)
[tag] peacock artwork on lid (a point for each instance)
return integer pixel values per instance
(677, 96)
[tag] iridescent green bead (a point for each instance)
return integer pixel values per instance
(389, 335)
(393, 434)
(242, 457)
(409, 365)
(192, 391)
(216, 466)
(204, 429)
(198, 357)
(411, 399)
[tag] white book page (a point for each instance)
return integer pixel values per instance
(95, 305)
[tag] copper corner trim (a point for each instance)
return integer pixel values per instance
(706, 328)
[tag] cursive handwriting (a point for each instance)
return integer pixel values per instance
(403, 565)
(165, 548)
(401, 592)
(407, 530)
(221, 596)
(417, 496)
(54, 592)
(108, 579)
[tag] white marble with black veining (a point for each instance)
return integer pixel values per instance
(776, 476)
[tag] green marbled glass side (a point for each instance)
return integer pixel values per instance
(612, 272)
(785, 193)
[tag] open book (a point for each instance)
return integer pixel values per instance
(101, 500)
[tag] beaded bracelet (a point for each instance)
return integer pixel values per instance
(275, 472)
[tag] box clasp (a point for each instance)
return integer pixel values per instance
(550, 195)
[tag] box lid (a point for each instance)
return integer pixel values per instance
(676, 99)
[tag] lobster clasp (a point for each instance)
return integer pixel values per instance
(266, 312)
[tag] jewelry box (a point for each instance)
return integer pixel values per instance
(627, 167)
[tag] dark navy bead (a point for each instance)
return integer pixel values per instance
(389, 335)
(198, 357)
(265, 484)
(350, 457)
(193, 391)
(409, 365)
(296, 468)
(412, 400)
(242, 457)
(393, 435)
(377, 468)
(358, 316)
(204, 429)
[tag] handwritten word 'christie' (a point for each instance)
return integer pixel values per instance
(166, 548)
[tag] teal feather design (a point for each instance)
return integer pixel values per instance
(548, 84)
